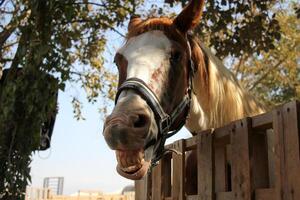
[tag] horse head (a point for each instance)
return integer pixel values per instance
(154, 91)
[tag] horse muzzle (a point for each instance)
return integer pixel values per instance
(127, 131)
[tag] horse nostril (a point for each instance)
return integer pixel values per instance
(141, 121)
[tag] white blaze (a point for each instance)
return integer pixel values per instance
(146, 53)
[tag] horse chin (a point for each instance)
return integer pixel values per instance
(133, 164)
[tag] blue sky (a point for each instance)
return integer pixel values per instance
(78, 150)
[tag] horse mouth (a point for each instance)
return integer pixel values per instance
(132, 164)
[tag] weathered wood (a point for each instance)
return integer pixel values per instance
(142, 188)
(224, 196)
(192, 197)
(291, 179)
(220, 169)
(157, 182)
(262, 121)
(261, 152)
(178, 189)
(271, 157)
(264, 194)
(222, 132)
(241, 183)
(279, 153)
(205, 166)
(191, 143)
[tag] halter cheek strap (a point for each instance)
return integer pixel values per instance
(164, 121)
(142, 89)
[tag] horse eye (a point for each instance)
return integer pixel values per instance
(175, 56)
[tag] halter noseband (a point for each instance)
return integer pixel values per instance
(163, 120)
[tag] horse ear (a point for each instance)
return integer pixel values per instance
(190, 16)
(134, 21)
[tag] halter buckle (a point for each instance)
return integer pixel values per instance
(165, 124)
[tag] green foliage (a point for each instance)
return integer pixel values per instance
(238, 27)
(274, 76)
(62, 39)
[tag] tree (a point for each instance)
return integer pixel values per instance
(274, 76)
(233, 28)
(61, 39)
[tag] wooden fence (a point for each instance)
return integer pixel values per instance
(253, 158)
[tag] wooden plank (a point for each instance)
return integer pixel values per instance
(191, 173)
(264, 194)
(220, 142)
(178, 189)
(142, 188)
(157, 182)
(190, 143)
(222, 131)
(291, 151)
(263, 121)
(240, 159)
(224, 196)
(279, 154)
(192, 197)
(271, 157)
(205, 166)
(220, 169)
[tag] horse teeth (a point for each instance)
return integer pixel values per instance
(130, 160)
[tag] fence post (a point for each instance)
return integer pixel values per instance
(291, 157)
(143, 188)
(241, 183)
(178, 188)
(205, 157)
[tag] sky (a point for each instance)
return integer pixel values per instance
(78, 151)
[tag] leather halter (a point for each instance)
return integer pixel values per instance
(163, 120)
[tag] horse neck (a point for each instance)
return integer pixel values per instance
(219, 101)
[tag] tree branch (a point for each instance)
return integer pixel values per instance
(4, 60)
(11, 27)
(266, 73)
(238, 66)
(1, 2)
(11, 44)
(86, 3)
(108, 25)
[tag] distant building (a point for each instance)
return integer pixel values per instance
(55, 184)
(129, 192)
(128, 189)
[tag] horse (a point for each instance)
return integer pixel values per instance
(167, 79)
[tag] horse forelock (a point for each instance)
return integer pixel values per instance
(163, 24)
